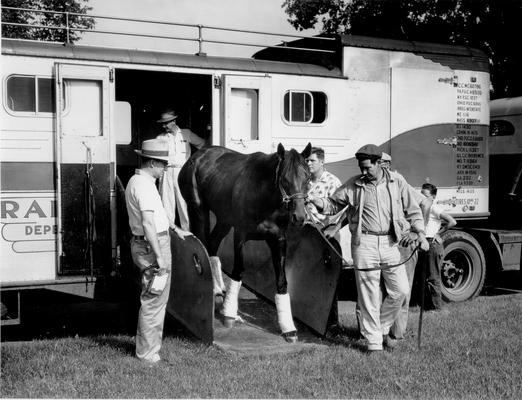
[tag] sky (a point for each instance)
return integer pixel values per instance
(253, 15)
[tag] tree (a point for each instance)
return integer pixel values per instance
(489, 25)
(46, 19)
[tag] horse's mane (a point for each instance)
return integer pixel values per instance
(292, 160)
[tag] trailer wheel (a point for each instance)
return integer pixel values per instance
(464, 267)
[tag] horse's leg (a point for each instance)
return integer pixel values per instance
(199, 222)
(277, 246)
(217, 235)
(230, 304)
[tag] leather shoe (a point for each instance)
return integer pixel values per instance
(389, 342)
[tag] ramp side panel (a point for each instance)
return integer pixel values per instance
(312, 271)
(191, 299)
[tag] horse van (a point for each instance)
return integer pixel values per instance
(72, 115)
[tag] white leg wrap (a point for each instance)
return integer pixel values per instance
(217, 275)
(284, 313)
(230, 302)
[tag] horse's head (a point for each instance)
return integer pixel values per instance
(292, 179)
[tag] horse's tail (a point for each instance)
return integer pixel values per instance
(199, 216)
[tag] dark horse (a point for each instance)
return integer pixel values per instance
(256, 194)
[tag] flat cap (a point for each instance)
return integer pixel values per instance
(369, 150)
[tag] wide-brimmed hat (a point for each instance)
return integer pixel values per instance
(155, 148)
(167, 116)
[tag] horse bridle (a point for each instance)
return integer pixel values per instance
(285, 197)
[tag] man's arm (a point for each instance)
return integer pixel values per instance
(194, 139)
(332, 204)
(413, 213)
(449, 223)
(150, 233)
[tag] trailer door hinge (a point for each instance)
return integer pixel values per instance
(111, 75)
(217, 82)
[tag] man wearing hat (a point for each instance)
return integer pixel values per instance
(179, 148)
(378, 202)
(150, 246)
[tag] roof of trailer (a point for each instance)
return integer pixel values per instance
(453, 56)
(149, 57)
(506, 106)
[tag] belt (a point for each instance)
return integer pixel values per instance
(141, 237)
(376, 233)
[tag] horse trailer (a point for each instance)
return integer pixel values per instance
(72, 115)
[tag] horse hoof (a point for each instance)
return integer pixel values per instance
(229, 322)
(290, 337)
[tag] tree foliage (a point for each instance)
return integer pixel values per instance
(45, 19)
(489, 25)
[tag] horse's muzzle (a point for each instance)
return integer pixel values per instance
(298, 218)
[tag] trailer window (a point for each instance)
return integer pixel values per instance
(501, 128)
(304, 107)
(30, 94)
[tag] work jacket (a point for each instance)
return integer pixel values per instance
(405, 214)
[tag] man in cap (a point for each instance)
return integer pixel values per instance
(150, 246)
(378, 201)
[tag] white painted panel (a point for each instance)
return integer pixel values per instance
(83, 124)
(244, 123)
(28, 229)
(421, 98)
(122, 122)
(83, 113)
(247, 120)
(358, 113)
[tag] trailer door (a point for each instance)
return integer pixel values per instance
(247, 121)
(83, 168)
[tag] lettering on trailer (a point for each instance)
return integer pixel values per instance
(470, 155)
(469, 101)
(458, 201)
(29, 223)
(470, 143)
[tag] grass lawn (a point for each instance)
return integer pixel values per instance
(471, 351)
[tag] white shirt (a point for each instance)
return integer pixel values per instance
(141, 195)
(179, 146)
(434, 221)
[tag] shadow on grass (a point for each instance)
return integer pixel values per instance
(49, 315)
(346, 336)
(121, 344)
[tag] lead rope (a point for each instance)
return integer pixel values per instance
(380, 268)
(90, 210)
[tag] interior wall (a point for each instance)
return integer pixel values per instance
(150, 92)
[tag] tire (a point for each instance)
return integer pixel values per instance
(463, 269)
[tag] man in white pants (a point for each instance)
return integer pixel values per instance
(180, 141)
(378, 201)
(179, 152)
